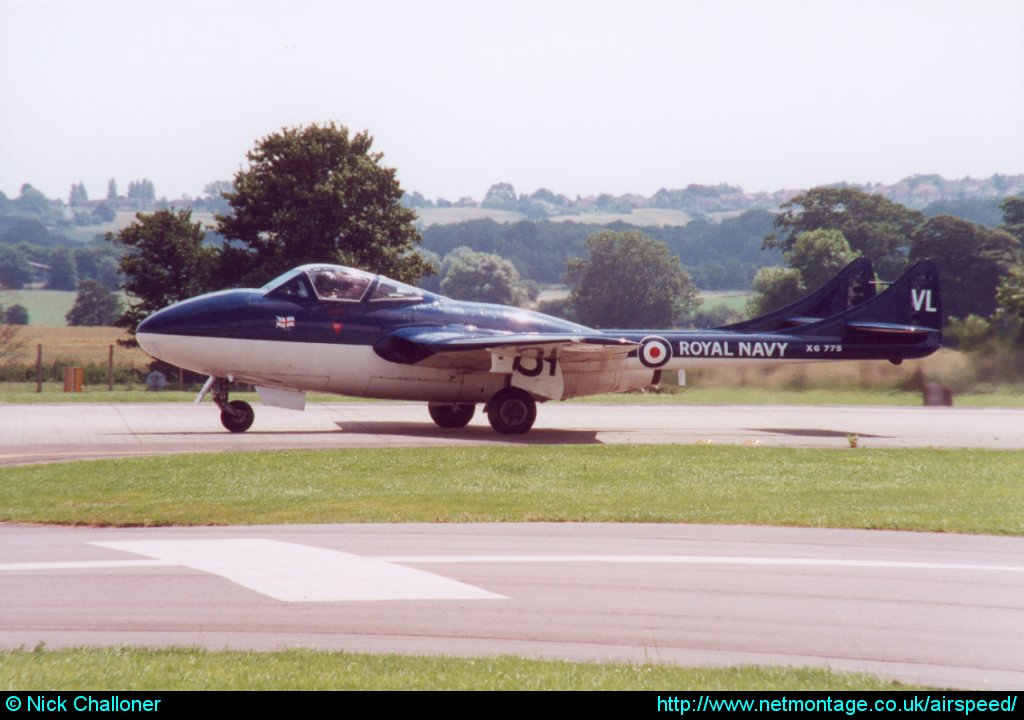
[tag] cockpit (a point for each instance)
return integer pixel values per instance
(338, 284)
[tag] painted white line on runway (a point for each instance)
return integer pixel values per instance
(302, 573)
(696, 560)
(84, 565)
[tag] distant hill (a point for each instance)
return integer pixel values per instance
(641, 217)
(974, 199)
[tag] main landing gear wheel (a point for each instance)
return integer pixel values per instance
(511, 411)
(237, 416)
(451, 416)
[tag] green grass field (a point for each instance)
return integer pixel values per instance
(734, 301)
(968, 491)
(1001, 396)
(45, 307)
(641, 217)
(957, 491)
(128, 669)
(122, 219)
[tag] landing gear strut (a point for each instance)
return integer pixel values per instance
(511, 411)
(236, 415)
(451, 416)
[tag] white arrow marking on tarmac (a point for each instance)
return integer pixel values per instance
(301, 573)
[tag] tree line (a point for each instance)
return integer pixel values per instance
(722, 255)
(980, 268)
(321, 194)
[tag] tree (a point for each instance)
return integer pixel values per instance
(16, 315)
(971, 261)
(112, 191)
(814, 257)
(63, 273)
(215, 192)
(141, 193)
(501, 196)
(818, 255)
(1010, 296)
(33, 202)
(165, 261)
(29, 232)
(629, 281)
(317, 194)
(1013, 216)
(78, 195)
(103, 213)
(873, 225)
(99, 263)
(94, 306)
(775, 287)
(12, 345)
(482, 277)
(14, 268)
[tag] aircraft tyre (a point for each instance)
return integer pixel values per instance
(511, 411)
(451, 416)
(237, 416)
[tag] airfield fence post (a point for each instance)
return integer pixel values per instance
(39, 368)
(110, 369)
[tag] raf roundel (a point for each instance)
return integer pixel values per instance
(655, 351)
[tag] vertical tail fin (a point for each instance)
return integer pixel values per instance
(852, 286)
(910, 308)
(913, 301)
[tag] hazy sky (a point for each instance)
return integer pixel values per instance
(579, 96)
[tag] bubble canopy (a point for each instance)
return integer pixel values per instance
(336, 283)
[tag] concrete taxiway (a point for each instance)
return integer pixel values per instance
(938, 609)
(40, 433)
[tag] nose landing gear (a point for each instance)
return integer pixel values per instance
(235, 415)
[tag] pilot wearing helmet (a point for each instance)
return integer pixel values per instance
(328, 285)
(336, 285)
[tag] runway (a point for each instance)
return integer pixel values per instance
(43, 433)
(937, 609)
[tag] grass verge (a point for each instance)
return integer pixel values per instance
(127, 669)
(1005, 396)
(970, 491)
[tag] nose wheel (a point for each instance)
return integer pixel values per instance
(511, 411)
(235, 415)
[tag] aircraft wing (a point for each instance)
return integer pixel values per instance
(533, 361)
(475, 348)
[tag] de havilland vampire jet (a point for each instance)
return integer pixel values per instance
(335, 329)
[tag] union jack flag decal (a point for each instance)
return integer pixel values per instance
(286, 323)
